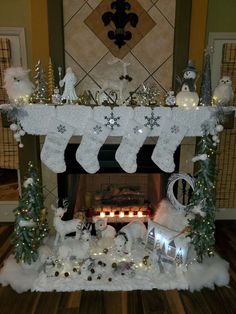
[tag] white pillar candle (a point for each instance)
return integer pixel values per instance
(131, 214)
(140, 214)
(112, 214)
(121, 214)
(102, 214)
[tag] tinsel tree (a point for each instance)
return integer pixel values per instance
(51, 79)
(31, 225)
(202, 226)
(205, 89)
(41, 90)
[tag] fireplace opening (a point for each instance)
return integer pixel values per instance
(112, 193)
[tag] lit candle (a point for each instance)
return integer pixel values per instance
(140, 214)
(131, 214)
(121, 214)
(102, 214)
(112, 214)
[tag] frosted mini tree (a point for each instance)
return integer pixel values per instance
(30, 220)
(205, 90)
(51, 79)
(41, 90)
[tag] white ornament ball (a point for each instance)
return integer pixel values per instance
(215, 138)
(17, 136)
(187, 99)
(22, 132)
(219, 128)
(217, 141)
(21, 145)
(13, 127)
(213, 132)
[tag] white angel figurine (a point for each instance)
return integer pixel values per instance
(69, 81)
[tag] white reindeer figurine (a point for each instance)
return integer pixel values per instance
(120, 83)
(65, 227)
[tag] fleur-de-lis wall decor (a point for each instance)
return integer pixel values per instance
(120, 19)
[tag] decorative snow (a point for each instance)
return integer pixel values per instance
(28, 182)
(213, 271)
(199, 157)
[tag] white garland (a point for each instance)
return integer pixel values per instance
(37, 118)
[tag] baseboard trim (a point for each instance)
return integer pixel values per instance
(226, 214)
(6, 211)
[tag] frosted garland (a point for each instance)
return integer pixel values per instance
(60, 123)
(37, 118)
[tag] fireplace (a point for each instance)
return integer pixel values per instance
(82, 190)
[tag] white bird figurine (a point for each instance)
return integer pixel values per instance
(223, 93)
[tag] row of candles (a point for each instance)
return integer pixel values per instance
(122, 214)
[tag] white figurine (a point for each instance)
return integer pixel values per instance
(69, 81)
(64, 227)
(76, 248)
(128, 234)
(223, 93)
(119, 84)
(170, 99)
(103, 230)
(17, 84)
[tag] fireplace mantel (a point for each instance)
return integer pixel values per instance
(35, 119)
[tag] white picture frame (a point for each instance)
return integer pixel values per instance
(16, 36)
(216, 41)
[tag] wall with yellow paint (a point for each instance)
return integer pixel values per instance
(221, 16)
(198, 31)
(32, 15)
(17, 13)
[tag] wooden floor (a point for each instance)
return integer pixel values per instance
(221, 300)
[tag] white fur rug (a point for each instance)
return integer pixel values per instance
(213, 271)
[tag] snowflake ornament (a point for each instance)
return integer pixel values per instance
(137, 130)
(112, 121)
(152, 121)
(97, 129)
(174, 129)
(61, 128)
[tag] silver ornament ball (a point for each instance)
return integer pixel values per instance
(13, 127)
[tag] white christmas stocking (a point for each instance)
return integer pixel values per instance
(170, 138)
(94, 137)
(52, 154)
(126, 154)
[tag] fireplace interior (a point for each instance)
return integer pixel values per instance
(112, 193)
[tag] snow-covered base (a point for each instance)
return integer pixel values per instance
(213, 271)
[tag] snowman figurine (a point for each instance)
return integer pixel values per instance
(190, 74)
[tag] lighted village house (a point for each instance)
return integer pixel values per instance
(117, 156)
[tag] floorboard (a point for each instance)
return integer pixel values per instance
(218, 301)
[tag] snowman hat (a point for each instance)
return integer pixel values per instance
(190, 66)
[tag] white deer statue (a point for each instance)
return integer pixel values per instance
(118, 84)
(65, 227)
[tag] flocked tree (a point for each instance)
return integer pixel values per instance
(203, 197)
(30, 219)
(205, 89)
(41, 90)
